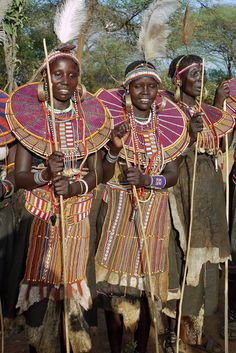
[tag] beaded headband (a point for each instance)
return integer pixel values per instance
(60, 53)
(141, 71)
(178, 73)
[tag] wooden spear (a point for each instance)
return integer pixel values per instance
(62, 219)
(191, 219)
(2, 328)
(226, 319)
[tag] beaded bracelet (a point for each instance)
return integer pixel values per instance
(38, 178)
(111, 158)
(9, 188)
(158, 182)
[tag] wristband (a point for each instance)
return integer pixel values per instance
(158, 182)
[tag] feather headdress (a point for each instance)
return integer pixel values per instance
(68, 22)
(188, 26)
(69, 19)
(155, 29)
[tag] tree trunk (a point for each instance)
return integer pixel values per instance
(10, 51)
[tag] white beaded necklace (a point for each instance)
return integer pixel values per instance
(59, 111)
(143, 121)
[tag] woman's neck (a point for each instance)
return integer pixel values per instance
(61, 105)
(66, 107)
(188, 100)
(142, 114)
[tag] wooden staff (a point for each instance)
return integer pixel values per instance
(62, 219)
(191, 220)
(226, 289)
(134, 189)
(2, 327)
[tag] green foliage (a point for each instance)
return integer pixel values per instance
(15, 17)
(217, 75)
(13, 22)
(33, 23)
(214, 32)
(104, 64)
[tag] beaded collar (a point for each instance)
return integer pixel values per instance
(169, 128)
(29, 119)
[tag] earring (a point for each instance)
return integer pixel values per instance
(205, 93)
(177, 93)
(43, 89)
(128, 102)
(41, 92)
(162, 105)
(82, 91)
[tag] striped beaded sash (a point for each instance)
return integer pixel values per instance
(121, 250)
(39, 203)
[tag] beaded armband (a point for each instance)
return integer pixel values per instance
(157, 182)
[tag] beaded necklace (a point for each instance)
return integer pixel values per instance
(69, 135)
(60, 111)
(209, 140)
(147, 133)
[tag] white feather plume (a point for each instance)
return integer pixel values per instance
(155, 29)
(69, 20)
(4, 5)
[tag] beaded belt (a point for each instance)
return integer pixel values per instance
(39, 204)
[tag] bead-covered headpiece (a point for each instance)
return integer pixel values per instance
(65, 51)
(142, 70)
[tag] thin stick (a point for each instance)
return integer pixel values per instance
(188, 247)
(146, 252)
(62, 219)
(191, 220)
(202, 85)
(2, 328)
(226, 319)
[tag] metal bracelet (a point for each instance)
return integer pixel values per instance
(86, 186)
(38, 178)
(111, 158)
